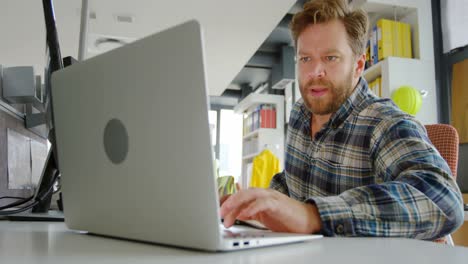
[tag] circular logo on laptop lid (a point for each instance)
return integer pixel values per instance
(116, 141)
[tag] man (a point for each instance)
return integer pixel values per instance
(355, 164)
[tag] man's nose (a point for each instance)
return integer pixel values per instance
(315, 70)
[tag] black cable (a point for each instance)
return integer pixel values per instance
(51, 188)
(20, 210)
(36, 201)
(16, 203)
(11, 197)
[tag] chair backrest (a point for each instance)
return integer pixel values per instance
(445, 139)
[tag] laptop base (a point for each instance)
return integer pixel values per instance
(50, 216)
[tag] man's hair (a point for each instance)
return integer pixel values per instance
(322, 11)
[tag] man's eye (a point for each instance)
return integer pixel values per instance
(331, 58)
(304, 59)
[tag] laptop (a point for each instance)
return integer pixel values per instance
(134, 147)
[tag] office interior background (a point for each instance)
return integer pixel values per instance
(261, 74)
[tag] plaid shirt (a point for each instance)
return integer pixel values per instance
(371, 171)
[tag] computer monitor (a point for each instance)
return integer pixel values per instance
(233, 32)
(42, 198)
(54, 62)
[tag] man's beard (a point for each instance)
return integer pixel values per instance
(333, 101)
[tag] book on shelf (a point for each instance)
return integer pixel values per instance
(386, 38)
(405, 32)
(262, 116)
(267, 116)
(368, 56)
(389, 38)
(393, 39)
(373, 47)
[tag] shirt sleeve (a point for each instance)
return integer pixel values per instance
(416, 196)
(278, 183)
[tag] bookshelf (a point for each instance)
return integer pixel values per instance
(255, 141)
(419, 71)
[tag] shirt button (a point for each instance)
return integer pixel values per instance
(339, 229)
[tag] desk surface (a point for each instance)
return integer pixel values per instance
(26, 242)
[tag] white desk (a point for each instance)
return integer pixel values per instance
(24, 242)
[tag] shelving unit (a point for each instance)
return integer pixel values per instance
(419, 71)
(256, 141)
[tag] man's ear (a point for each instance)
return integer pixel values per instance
(359, 66)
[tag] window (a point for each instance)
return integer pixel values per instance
(213, 119)
(230, 149)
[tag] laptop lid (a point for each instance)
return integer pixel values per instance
(134, 142)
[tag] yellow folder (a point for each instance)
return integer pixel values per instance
(394, 39)
(386, 32)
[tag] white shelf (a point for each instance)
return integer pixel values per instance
(256, 132)
(250, 156)
(254, 142)
(396, 72)
(414, 12)
(251, 134)
(11, 110)
(375, 70)
(419, 71)
(255, 99)
(385, 9)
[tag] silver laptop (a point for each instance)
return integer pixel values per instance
(134, 146)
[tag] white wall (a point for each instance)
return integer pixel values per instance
(454, 23)
(22, 31)
(234, 30)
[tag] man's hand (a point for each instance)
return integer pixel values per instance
(275, 210)
(224, 198)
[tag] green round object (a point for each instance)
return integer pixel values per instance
(407, 99)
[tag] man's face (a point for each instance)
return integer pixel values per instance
(328, 69)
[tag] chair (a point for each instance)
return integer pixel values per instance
(445, 140)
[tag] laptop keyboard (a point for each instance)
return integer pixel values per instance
(243, 231)
(243, 234)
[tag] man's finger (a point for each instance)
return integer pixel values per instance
(224, 198)
(238, 199)
(260, 205)
(230, 217)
